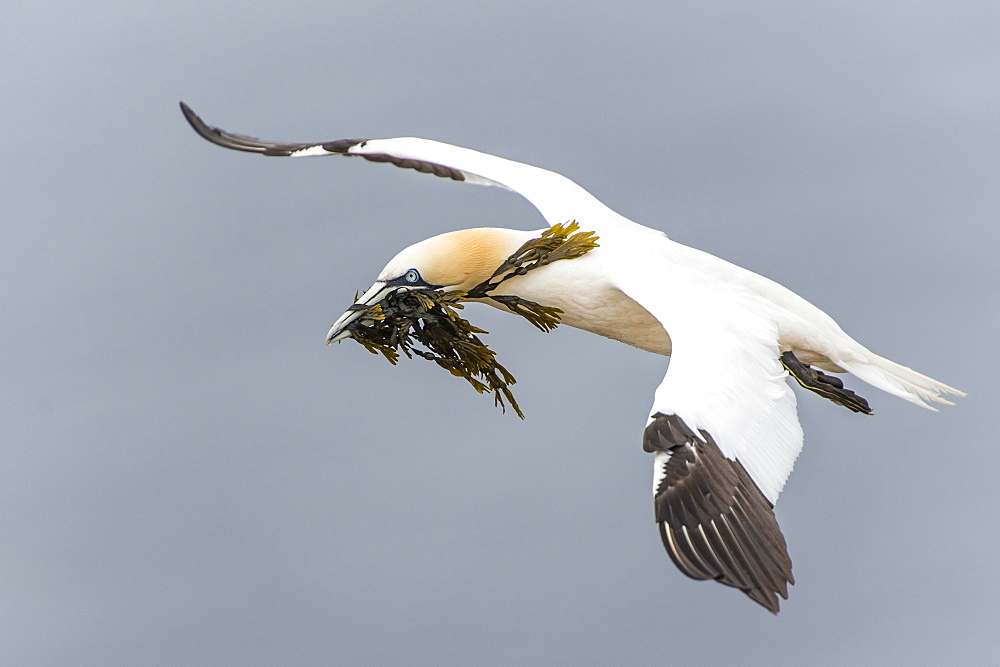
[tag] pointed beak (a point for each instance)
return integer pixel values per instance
(374, 294)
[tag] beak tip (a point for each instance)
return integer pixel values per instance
(337, 336)
(339, 330)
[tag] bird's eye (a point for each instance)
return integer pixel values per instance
(412, 276)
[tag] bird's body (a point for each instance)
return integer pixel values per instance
(723, 426)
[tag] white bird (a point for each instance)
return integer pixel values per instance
(723, 426)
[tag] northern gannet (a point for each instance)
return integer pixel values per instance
(723, 427)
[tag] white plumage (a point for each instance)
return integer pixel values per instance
(724, 327)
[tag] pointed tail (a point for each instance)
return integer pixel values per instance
(901, 381)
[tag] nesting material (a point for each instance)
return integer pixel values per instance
(426, 322)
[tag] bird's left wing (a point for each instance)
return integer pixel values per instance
(241, 142)
(557, 198)
(724, 431)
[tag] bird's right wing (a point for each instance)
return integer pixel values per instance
(724, 431)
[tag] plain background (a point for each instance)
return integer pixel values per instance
(190, 477)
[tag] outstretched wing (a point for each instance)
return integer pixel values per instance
(724, 432)
(241, 142)
(557, 198)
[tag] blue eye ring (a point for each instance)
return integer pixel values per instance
(412, 276)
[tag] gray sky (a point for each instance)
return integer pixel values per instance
(190, 476)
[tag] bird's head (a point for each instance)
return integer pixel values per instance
(455, 261)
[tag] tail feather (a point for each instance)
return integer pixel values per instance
(900, 381)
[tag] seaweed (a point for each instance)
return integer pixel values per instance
(430, 318)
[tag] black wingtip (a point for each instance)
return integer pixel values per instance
(714, 520)
(205, 131)
(191, 117)
(240, 142)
